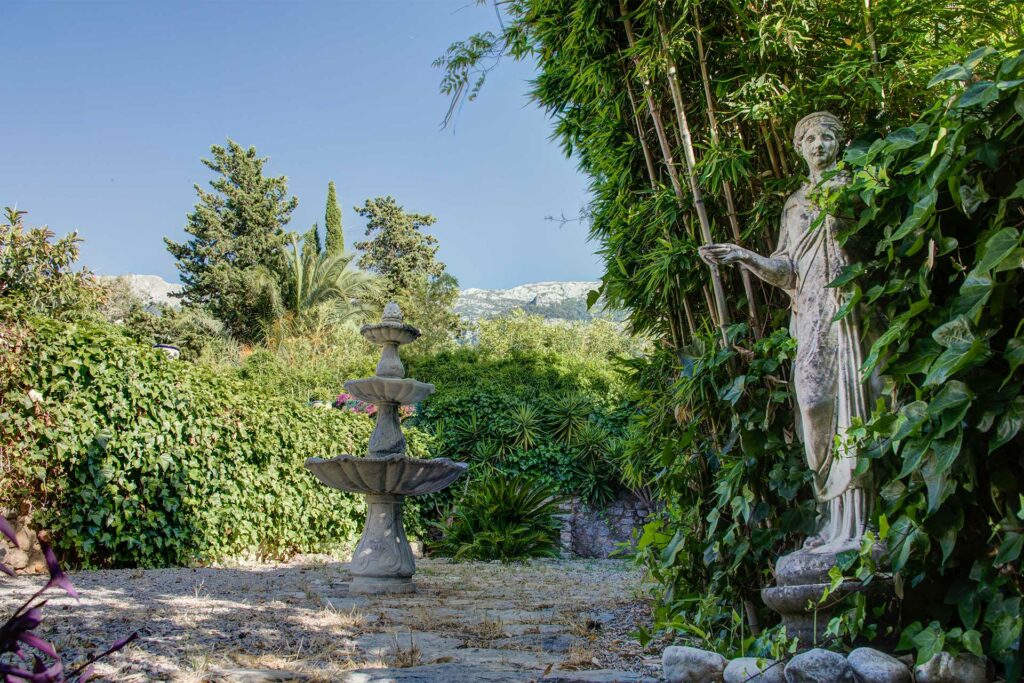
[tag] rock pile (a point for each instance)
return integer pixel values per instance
(863, 665)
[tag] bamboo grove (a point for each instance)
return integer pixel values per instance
(680, 113)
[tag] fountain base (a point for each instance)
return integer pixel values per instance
(381, 585)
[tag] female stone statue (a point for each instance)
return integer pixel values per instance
(829, 393)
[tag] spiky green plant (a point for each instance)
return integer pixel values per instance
(567, 417)
(502, 518)
(527, 426)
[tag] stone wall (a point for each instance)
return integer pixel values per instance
(589, 532)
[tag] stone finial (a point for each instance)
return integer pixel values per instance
(392, 313)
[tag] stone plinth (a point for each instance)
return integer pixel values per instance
(801, 581)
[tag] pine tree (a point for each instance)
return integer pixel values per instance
(405, 259)
(332, 219)
(397, 250)
(237, 239)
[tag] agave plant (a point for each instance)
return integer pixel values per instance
(503, 518)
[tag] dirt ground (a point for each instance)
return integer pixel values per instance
(555, 620)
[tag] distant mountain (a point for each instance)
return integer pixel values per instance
(151, 289)
(551, 300)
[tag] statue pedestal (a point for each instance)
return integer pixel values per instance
(383, 561)
(801, 580)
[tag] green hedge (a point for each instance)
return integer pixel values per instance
(131, 459)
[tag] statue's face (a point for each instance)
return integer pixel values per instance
(819, 147)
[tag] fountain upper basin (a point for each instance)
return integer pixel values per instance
(392, 474)
(379, 390)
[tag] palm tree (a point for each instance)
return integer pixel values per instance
(319, 291)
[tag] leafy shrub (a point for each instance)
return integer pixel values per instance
(502, 518)
(36, 275)
(135, 460)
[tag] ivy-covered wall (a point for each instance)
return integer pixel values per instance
(131, 459)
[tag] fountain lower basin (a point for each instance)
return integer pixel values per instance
(389, 475)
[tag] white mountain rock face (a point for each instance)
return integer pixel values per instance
(151, 289)
(552, 300)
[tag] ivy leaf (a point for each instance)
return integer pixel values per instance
(998, 247)
(974, 293)
(937, 481)
(911, 454)
(978, 94)
(972, 642)
(1009, 424)
(1009, 549)
(901, 139)
(950, 404)
(978, 55)
(922, 210)
(955, 333)
(954, 72)
(947, 449)
(1014, 354)
(952, 360)
(912, 416)
(848, 274)
(929, 642)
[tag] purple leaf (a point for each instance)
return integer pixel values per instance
(7, 530)
(25, 622)
(6, 570)
(87, 673)
(57, 577)
(32, 640)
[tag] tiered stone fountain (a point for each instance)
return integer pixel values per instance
(383, 561)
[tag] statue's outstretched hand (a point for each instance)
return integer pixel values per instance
(713, 254)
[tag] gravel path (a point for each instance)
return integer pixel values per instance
(555, 620)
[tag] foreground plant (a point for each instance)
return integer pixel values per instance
(17, 633)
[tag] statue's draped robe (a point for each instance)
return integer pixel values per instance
(826, 379)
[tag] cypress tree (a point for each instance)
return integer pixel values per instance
(332, 219)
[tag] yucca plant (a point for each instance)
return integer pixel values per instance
(527, 426)
(502, 518)
(567, 416)
(595, 470)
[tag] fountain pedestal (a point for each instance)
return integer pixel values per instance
(383, 561)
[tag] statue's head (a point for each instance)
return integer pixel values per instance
(817, 138)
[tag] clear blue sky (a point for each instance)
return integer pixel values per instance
(109, 107)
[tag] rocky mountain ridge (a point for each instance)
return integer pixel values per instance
(552, 300)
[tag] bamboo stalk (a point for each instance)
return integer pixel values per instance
(641, 135)
(691, 174)
(781, 148)
(730, 202)
(869, 28)
(653, 177)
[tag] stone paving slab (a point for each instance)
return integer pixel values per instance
(567, 620)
